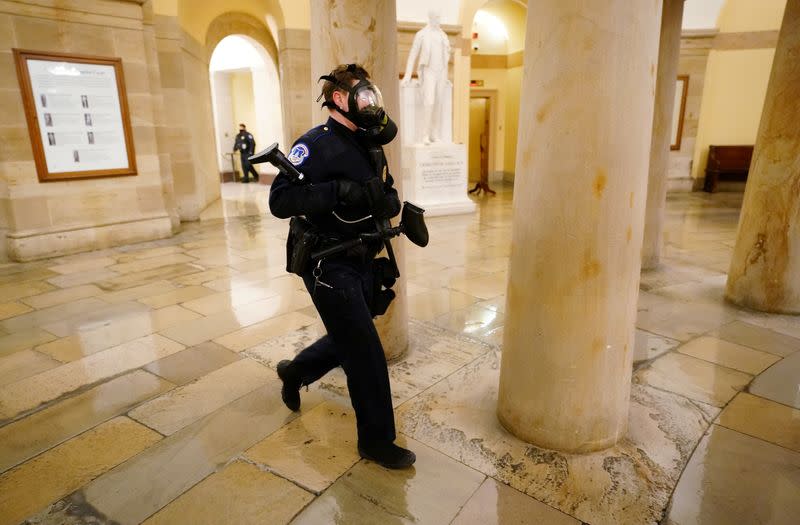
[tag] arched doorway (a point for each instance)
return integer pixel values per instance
(245, 88)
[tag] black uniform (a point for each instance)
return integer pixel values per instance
(246, 146)
(343, 292)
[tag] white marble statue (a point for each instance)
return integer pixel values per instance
(432, 48)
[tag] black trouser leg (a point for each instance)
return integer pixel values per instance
(317, 360)
(353, 343)
(248, 168)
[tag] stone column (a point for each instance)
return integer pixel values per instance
(668, 54)
(295, 66)
(583, 151)
(365, 32)
(765, 269)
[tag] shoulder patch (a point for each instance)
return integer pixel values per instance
(299, 154)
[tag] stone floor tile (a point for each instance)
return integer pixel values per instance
(181, 295)
(95, 318)
(185, 405)
(149, 253)
(627, 484)
(433, 354)
(733, 478)
(221, 301)
(497, 504)
(65, 295)
(8, 310)
(650, 346)
(187, 365)
(241, 493)
(758, 338)
(139, 488)
(489, 264)
(781, 383)
(677, 319)
(81, 278)
(763, 419)
(433, 491)
(243, 279)
(42, 388)
(271, 352)
(83, 266)
(138, 292)
(265, 330)
(19, 365)
(200, 278)
(788, 325)
(729, 354)
(29, 275)
(314, 450)
(483, 287)
(222, 323)
(95, 337)
(54, 314)
(142, 265)
(474, 321)
(24, 439)
(427, 306)
(161, 273)
(445, 277)
(694, 378)
(17, 290)
(65, 468)
(17, 341)
(668, 274)
(498, 304)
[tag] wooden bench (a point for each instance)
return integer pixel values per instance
(730, 162)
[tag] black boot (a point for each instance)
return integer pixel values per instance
(290, 391)
(386, 454)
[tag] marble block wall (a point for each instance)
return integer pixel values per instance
(56, 218)
(294, 51)
(189, 132)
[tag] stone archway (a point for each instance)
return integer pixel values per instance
(234, 23)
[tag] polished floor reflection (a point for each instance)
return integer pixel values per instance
(137, 385)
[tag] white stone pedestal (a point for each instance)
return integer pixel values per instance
(435, 178)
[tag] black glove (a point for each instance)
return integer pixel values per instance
(388, 206)
(350, 193)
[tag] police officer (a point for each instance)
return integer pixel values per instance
(335, 159)
(245, 144)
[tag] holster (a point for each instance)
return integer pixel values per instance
(382, 281)
(303, 239)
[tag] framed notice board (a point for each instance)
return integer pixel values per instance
(77, 113)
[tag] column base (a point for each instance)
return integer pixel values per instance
(541, 441)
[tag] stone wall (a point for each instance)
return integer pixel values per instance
(56, 218)
(189, 128)
(297, 82)
(695, 47)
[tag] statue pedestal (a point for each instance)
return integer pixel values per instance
(435, 178)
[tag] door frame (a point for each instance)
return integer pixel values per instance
(493, 96)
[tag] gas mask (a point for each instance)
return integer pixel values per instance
(365, 110)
